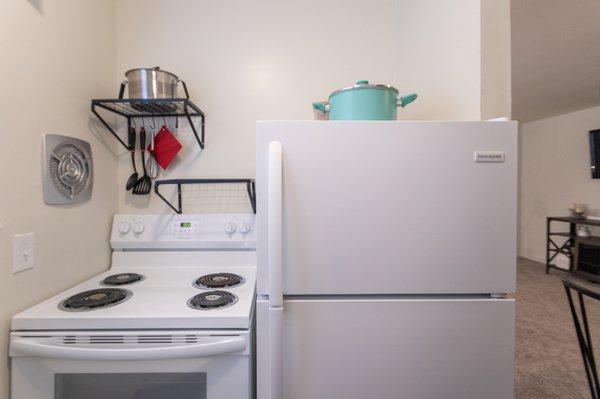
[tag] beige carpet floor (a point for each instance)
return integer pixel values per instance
(549, 364)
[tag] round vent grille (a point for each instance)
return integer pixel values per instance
(70, 170)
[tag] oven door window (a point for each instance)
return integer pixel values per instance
(130, 385)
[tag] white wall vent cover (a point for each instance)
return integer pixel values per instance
(67, 172)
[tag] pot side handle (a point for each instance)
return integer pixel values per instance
(187, 94)
(122, 89)
(322, 106)
(407, 99)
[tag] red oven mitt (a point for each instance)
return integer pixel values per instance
(166, 147)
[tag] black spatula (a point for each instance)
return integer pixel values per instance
(131, 142)
(144, 183)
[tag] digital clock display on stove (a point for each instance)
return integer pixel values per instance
(184, 227)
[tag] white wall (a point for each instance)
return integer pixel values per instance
(555, 59)
(495, 59)
(554, 173)
(56, 56)
(270, 59)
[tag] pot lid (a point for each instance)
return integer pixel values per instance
(364, 84)
(156, 68)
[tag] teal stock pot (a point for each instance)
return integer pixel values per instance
(364, 101)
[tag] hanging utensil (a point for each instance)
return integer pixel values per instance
(131, 142)
(151, 164)
(166, 147)
(144, 183)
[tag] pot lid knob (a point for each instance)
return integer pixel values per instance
(362, 82)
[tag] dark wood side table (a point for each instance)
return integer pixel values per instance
(553, 248)
(584, 288)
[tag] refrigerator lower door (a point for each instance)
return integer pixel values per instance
(390, 348)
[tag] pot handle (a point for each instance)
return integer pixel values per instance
(321, 106)
(405, 100)
(187, 94)
(122, 89)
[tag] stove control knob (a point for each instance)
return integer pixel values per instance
(138, 227)
(230, 228)
(124, 227)
(244, 227)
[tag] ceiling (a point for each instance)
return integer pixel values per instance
(555, 57)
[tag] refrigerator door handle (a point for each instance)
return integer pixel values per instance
(276, 353)
(275, 223)
(275, 266)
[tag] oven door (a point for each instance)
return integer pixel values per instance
(131, 365)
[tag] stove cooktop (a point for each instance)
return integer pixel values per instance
(164, 298)
(168, 272)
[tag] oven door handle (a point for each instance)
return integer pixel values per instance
(35, 348)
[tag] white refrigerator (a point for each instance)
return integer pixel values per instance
(386, 251)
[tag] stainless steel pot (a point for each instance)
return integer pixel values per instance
(151, 83)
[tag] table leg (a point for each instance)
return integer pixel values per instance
(573, 232)
(585, 344)
(547, 246)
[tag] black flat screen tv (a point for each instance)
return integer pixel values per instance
(595, 153)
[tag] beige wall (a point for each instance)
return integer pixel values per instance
(270, 59)
(554, 173)
(495, 59)
(56, 56)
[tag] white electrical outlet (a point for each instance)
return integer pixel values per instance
(22, 252)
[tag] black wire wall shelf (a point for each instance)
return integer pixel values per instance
(136, 108)
(250, 188)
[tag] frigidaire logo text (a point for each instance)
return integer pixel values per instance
(489, 156)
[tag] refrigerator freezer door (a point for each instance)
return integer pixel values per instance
(392, 207)
(390, 349)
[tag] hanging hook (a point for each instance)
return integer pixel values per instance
(133, 122)
(165, 121)
(153, 124)
(143, 123)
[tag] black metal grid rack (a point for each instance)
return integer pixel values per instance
(136, 108)
(250, 188)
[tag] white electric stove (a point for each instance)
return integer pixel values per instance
(173, 314)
